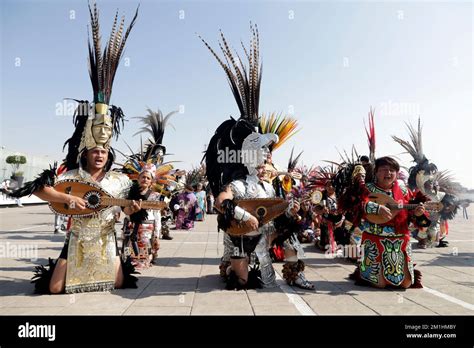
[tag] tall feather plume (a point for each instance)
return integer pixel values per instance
(244, 81)
(283, 126)
(292, 163)
(102, 67)
(371, 135)
(155, 125)
(415, 149)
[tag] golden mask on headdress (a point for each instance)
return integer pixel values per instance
(98, 131)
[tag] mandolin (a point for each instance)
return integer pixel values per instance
(96, 199)
(395, 207)
(264, 209)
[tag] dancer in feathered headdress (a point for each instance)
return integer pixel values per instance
(89, 159)
(235, 168)
(152, 178)
(438, 186)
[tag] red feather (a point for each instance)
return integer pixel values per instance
(371, 134)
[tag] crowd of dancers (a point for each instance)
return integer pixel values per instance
(362, 207)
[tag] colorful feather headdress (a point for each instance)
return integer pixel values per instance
(283, 126)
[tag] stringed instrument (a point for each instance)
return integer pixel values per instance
(264, 209)
(96, 199)
(395, 207)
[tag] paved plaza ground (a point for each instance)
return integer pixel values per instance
(186, 279)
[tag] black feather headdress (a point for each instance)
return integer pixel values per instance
(155, 125)
(245, 84)
(415, 149)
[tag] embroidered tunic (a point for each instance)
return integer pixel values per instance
(91, 243)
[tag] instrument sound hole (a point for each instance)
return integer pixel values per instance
(261, 211)
(93, 199)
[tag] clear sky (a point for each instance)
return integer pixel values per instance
(326, 62)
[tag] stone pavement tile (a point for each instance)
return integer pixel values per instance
(107, 301)
(275, 310)
(200, 237)
(403, 309)
(223, 298)
(339, 304)
(88, 310)
(179, 272)
(170, 298)
(236, 309)
(162, 285)
(36, 301)
(266, 298)
(16, 286)
(426, 299)
(430, 279)
(155, 310)
(210, 270)
(31, 310)
(185, 282)
(341, 309)
(383, 297)
(210, 282)
(451, 309)
(448, 273)
(458, 291)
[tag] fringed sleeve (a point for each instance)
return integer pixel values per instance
(46, 178)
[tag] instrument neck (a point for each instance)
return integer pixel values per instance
(120, 202)
(402, 206)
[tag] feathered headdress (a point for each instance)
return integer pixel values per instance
(155, 125)
(283, 126)
(324, 175)
(415, 149)
(243, 80)
(96, 124)
(195, 176)
(236, 136)
(287, 182)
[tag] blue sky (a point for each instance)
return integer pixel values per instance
(326, 62)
